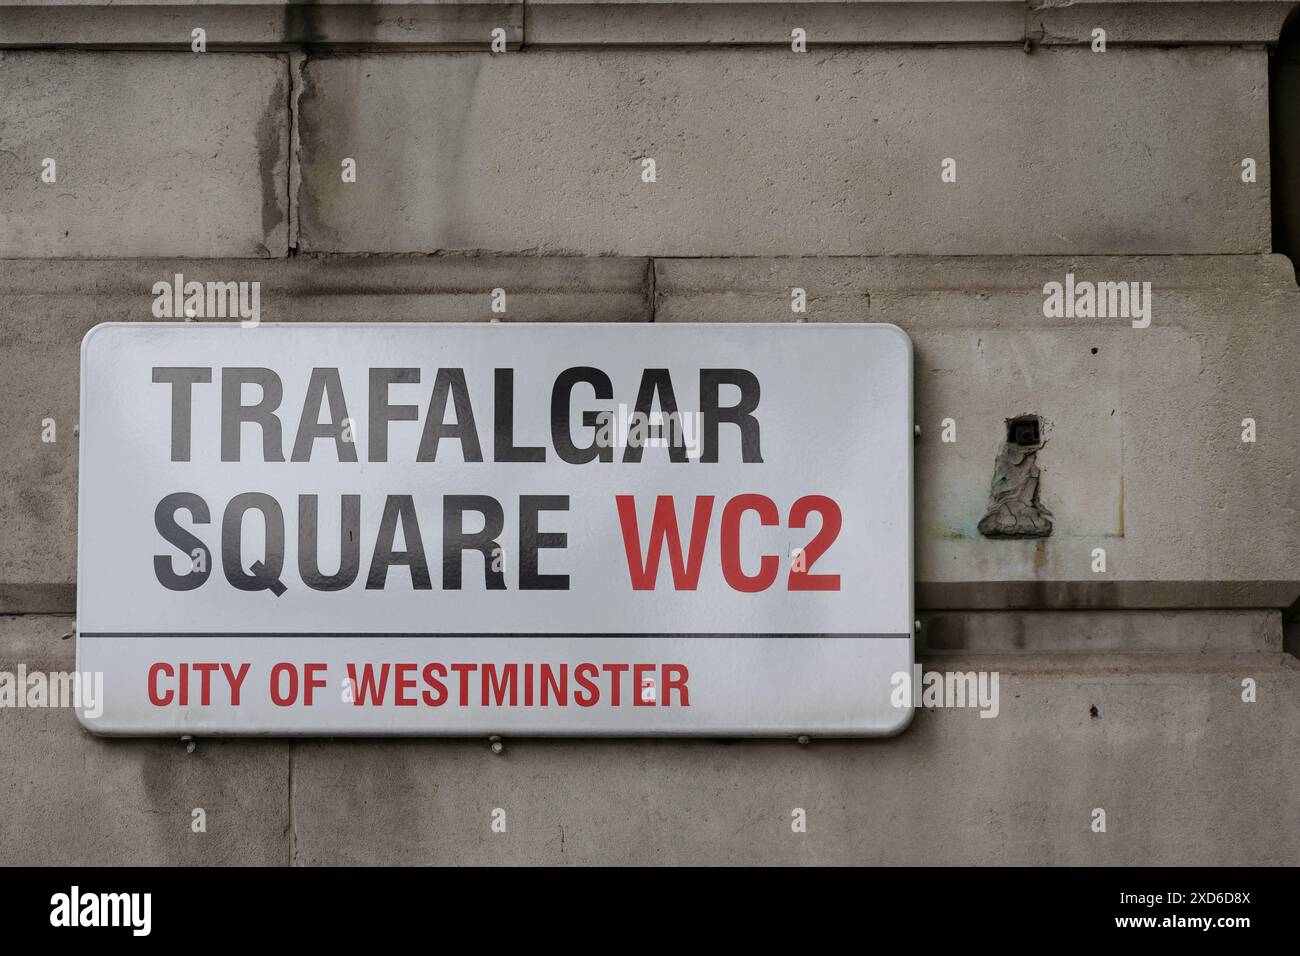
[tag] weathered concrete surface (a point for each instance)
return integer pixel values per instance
(1185, 633)
(259, 24)
(332, 289)
(828, 153)
(559, 22)
(67, 799)
(156, 154)
(467, 24)
(1187, 775)
(1162, 21)
(1187, 772)
(1144, 456)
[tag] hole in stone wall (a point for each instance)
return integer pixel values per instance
(1024, 430)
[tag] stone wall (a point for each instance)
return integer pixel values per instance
(1120, 689)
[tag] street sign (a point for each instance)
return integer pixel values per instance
(516, 529)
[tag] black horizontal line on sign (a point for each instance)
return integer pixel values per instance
(530, 634)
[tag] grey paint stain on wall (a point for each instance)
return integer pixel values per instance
(1015, 510)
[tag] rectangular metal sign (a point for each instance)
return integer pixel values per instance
(496, 529)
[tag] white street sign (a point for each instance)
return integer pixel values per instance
(496, 529)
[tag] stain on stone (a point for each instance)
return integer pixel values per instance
(944, 632)
(1015, 510)
(302, 23)
(271, 155)
(1093, 712)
